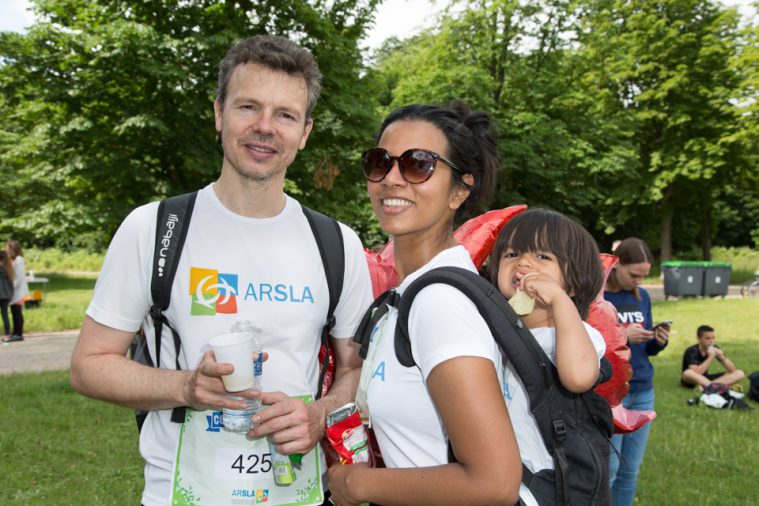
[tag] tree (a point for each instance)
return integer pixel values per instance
(668, 63)
(517, 60)
(109, 105)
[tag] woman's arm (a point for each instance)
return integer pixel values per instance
(468, 397)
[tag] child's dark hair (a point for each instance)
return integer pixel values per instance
(574, 247)
(472, 146)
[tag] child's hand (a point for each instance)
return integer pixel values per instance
(542, 287)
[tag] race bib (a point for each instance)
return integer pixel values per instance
(214, 467)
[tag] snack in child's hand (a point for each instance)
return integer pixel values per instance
(522, 303)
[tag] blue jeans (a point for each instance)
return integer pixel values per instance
(623, 468)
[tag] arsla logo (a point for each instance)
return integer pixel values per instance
(212, 292)
(166, 242)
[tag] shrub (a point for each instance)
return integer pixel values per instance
(56, 260)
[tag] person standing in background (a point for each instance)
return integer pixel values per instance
(20, 290)
(633, 305)
(6, 289)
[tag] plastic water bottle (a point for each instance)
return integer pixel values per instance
(239, 420)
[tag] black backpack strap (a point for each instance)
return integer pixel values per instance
(329, 239)
(560, 462)
(371, 317)
(173, 221)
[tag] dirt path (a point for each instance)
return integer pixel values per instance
(38, 352)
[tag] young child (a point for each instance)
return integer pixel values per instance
(556, 262)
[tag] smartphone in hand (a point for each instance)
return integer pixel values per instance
(665, 323)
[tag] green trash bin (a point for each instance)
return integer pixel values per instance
(683, 279)
(716, 278)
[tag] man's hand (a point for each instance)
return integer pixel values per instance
(205, 389)
(719, 354)
(294, 426)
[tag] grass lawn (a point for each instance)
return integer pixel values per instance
(61, 448)
(698, 455)
(66, 298)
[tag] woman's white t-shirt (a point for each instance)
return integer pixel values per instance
(443, 324)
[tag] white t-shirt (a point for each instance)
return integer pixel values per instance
(443, 324)
(531, 445)
(277, 281)
(20, 286)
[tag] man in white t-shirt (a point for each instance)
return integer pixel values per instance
(244, 230)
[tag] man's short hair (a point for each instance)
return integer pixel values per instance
(703, 329)
(276, 53)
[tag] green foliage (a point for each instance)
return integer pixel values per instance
(744, 262)
(57, 260)
(670, 65)
(108, 105)
(636, 118)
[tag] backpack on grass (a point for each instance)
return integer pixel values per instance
(753, 389)
(173, 221)
(719, 396)
(575, 427)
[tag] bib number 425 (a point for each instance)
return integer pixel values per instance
(252, 463)
(238, 464)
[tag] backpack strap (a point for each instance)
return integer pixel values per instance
(329, 239)
(372, 316)
(173, 221)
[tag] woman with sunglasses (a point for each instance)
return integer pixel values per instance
(433, 166)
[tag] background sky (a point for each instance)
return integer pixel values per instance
(394, 17)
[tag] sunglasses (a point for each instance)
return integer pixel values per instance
(416, 165)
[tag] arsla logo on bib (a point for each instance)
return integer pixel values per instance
(259, 495)
(212, 292)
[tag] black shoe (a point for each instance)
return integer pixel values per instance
(13, 338)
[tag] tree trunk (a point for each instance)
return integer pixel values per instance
(665, 232)
(706, 233)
